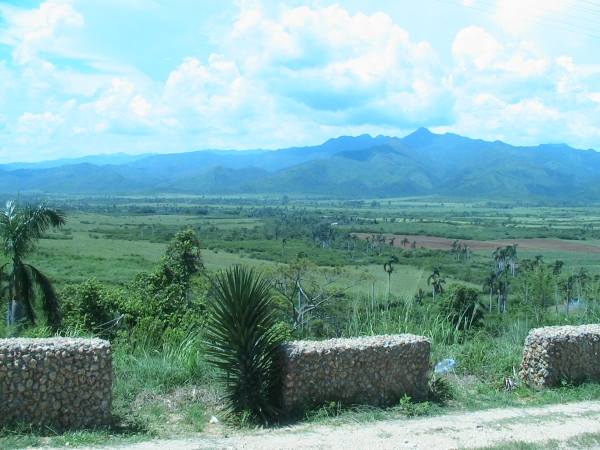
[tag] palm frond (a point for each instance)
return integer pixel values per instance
(20, 227)
(50, 304)
(26, 290)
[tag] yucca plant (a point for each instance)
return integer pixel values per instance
(243, 343)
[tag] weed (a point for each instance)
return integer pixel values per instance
(412, 409)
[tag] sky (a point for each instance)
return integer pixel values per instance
(84, 77)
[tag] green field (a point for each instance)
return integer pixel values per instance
(113, 240)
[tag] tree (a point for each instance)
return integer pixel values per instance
(20, 228)
(404, 242)
(461, 306)
(541, 284)
(505, 272)
(160, 300)
(491, 283)
(557, 267)
(435, 281)
(567, 285)
(306, 289)
(389, 268)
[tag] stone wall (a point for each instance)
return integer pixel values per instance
(60, 383)
(376, 370)
(554, 354)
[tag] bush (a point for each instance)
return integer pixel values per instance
(460, 304)
(244, 342)
(89, 307)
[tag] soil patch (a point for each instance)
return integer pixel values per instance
(452, 431)
(431, 242)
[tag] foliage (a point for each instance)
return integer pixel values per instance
(538, 287)
(161, 303)
(307, 289)
(412, 409)
(20, 228)
(436, 281)
(243, 344)
(90, 307)
(460, 304)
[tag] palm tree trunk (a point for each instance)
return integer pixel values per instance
(556, 299)
(15, 308)
(15, 312)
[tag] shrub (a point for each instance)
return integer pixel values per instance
(90, 307)
(244, 342)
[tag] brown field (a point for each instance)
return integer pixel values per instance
(523, 244)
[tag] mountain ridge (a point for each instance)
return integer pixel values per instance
(421, 163)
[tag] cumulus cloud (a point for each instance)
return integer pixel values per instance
(362, 69)
(279, 76)
(511, 91)
(44, 123)
(41, 29)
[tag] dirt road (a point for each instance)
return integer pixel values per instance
(452, 431)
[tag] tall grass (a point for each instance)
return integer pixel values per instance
(488, 354)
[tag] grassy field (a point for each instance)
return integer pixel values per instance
(113, 239)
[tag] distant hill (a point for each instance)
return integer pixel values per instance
(422, 163)
(99, 160)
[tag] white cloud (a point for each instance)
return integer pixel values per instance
(474, 45)
(342, 67)
(31, 31)
(39, 123)
(140, 106)
(511, 91)
(279, 76)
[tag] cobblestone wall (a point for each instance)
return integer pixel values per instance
(376, 370)
(61, 383)
(554, 354)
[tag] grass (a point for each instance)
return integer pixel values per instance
(170, 391)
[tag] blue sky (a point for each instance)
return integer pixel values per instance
(81, 77)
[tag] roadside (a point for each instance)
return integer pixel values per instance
(560, 423)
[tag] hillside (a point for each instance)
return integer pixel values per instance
(422, 163)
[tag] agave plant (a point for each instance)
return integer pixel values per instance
(243, 344)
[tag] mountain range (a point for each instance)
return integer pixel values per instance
(422, 163)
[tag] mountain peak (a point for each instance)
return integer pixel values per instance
(420, 138)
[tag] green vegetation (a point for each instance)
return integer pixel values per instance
(131, 269)
(21, 226)
(244, 343)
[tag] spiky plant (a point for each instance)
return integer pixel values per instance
(243, 344)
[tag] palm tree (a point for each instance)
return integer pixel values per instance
(392, 240)
(557, 267)
(435, 281)
(511, 253)
(505, 272)
(404, 242)
(389, 268)
(491, 282)
(20, 229)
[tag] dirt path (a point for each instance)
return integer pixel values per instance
(452, 431)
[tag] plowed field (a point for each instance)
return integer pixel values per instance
(523, 244)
